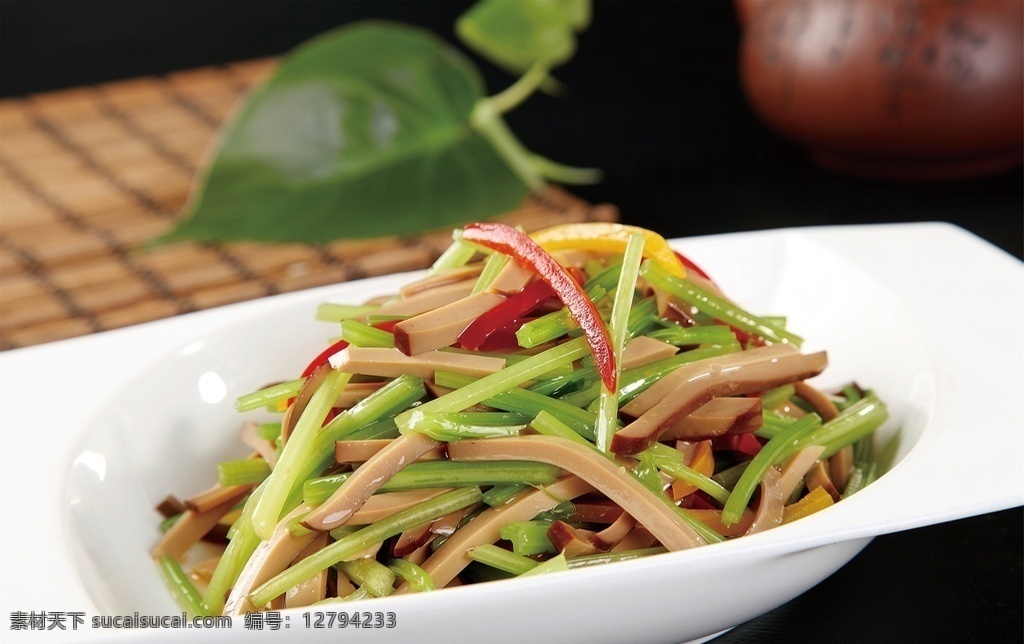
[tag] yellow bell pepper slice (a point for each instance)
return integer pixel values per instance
(609, 238)
(817, 499)
(703, 461)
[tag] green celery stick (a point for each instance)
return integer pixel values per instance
(268, 431)
(501, 381)
(242, 472)
(715, 306)
(502, 493)
(456, 255)
(370, 574)
(501, 559)
(553, 325)
(528, 403)
(418, 579)
(359, 334)
(584, 561)
(327, 312)
(607, 417)
(297, 451)
(852, 424)
(776, 449)
(695, 335)
(528, 537)
(269, 395)
(454, 426)
(184, 593)
(670, 461)
(494, 264)
(554, 564)
(436, 474)
(545, 423)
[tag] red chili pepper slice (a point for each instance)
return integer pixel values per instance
(742, 443)
(692, 267)
(322, 357)
(527, 253)
(504, 339)
(520, 304)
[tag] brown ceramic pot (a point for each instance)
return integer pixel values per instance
(903, 89)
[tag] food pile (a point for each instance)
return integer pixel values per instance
(580, 396)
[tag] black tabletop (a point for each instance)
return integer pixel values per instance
(654, 100)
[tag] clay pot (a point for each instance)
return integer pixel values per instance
(930, 89)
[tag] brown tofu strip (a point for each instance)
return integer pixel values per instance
(441, 327)
(291, 415)
(313, 589)
(443, 278)
(510, 279)
(644, 350)
(270, 557)
(710, 380)
(659, 390)
(450, 559)
(354, 392)
(262, 446)
(391, 363)
(374, 473)
(821, 403)
(361, 451)
(794, 469)
(190, 528)
(594, 468)
(571, 541)
(216, 496)
(427, 300)
(614, 533)
(381, 506)
(717, 417)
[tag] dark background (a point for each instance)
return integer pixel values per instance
(654, 101)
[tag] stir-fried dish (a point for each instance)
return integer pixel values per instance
(580, 396)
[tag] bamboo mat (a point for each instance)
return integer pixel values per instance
(89, 173)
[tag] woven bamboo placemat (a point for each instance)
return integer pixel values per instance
(89, 173)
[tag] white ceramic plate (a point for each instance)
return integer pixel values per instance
(98, 429)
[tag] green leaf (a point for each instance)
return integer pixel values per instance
(363, 131)
(515, 34)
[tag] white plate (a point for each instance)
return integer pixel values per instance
(98, 429)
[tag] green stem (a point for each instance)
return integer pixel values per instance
(297, 451)
(670, 461)
(495, 557)
(501, 381)
(774, 450)
(528, 537)
(607, 417)
(370, 574)
(269, 395)
(716, 307)
(487, 122)
(418, 579)
(584, 561)
(529, 403)
(514, 95)
(439, 474)
(450, 427)
(494, 264)
(181, 588)
(359, 334)
(242, 472)
(565, 173)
